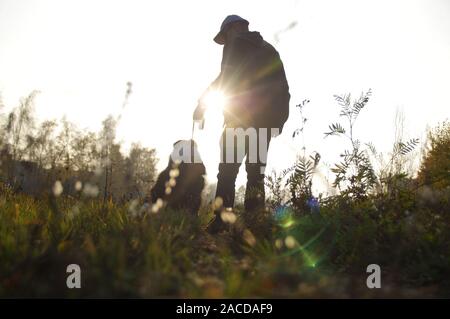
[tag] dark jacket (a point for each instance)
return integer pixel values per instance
(253, 78)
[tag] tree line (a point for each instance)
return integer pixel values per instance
(34, 156)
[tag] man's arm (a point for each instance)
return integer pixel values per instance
(228, 59)
(201, 107)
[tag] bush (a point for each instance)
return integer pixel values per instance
(435, 168)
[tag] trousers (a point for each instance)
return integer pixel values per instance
(235, 145)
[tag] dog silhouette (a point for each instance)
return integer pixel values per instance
(180, 184)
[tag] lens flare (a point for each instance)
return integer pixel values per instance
(214, 99)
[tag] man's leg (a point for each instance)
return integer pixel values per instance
(231, 156)
(226, 180)
(254, 193)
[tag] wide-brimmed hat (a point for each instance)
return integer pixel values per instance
(220, 37)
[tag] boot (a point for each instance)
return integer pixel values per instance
(216, 225)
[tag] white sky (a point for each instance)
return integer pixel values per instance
(80, 54)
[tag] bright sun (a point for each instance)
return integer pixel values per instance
(214, 99)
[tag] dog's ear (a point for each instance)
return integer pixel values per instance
(179, 141)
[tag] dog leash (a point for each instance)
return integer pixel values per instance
(201, 123)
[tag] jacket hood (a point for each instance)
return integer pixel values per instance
(253, 37)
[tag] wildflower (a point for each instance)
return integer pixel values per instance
(313, 204)
(228, 216)
(132, 208)
(78, 186)
(278, 243)
(157, 205)
(175, 172)
(90, 190)
(249, 238)
(218, 202)
(290, 242)
(57, 188)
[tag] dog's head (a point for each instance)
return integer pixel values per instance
(185, 151)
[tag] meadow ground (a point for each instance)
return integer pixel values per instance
(125, 252)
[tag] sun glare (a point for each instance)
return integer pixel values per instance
(215, 99)
(214, 102)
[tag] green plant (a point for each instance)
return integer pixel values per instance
(299, 181)
(355, 176)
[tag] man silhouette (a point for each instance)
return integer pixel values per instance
(253, 80)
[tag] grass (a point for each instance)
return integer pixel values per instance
(168, 254)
